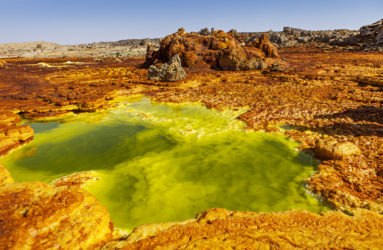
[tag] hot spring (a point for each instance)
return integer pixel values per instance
(166, 162)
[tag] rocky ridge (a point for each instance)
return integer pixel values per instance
(369, 37)
(123, 48)
(372, 35)
(293, 37)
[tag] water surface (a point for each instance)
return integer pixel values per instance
(166, 162)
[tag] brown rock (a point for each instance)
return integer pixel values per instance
(236, 60)
(169, 72)
(218, 50)
(150, 52)
(263, 43)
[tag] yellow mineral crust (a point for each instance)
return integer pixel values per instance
(40, 216)
(320, 94)
(5, 176)
(224, 229)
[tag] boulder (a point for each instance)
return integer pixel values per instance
(169, 72)
(150, 52)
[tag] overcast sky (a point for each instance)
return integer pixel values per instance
(83, 21)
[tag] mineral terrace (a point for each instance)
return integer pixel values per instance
(324, 87)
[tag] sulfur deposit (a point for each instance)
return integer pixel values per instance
(289, 230)
(327, 98)
(42, 216)
(12, 134)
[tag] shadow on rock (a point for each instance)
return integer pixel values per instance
(362, 113)
(351, 129)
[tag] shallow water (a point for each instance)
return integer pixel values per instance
(166, 162)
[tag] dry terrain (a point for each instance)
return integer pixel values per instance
(329, 100)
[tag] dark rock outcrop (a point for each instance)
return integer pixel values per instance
(204, 32)
(169, 72)
(372, 35)
(369, 37)
(292, 37)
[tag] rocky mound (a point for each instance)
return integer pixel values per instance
(217, 50)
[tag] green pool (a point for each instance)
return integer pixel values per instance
(166, 162)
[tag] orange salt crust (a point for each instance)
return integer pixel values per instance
(330, 100)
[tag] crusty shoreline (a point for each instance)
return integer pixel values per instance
(321, 94)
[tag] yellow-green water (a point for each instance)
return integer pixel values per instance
(167, 162)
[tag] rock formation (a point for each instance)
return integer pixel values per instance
(218, 50)
(263, 43)
(292, 37)
(168, 72)
(372, 35)
(368, 37)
